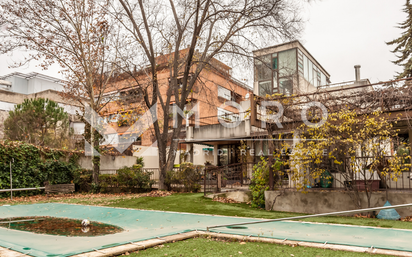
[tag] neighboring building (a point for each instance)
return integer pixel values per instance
(16, 87)
(212, 90)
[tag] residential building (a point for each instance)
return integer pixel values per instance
(214, 88)
(287, 69)
(16, 87)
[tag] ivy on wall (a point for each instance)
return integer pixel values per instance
(34, 165)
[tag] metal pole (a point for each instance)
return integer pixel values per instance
(316, 215)
(11, 182)
(22, 189)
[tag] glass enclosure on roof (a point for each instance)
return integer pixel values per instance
(275, 72)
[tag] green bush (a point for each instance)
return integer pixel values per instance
(33, 166)
(107, 181)
(127, 178)
(82, 178)
(260, 181)
(188, 175)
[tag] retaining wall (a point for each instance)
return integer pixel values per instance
(315, 202)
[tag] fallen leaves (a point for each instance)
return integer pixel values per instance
(224, 200)
(158, 193)
(409, 218)
(93, 199)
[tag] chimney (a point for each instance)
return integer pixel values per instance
(357, 72)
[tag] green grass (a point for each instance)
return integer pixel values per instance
(196, 203)
(209, 247)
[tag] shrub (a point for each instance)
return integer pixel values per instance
(188, 175)
(107, 181)
(260, 181)
(82, 179)
(33, 166)
(134, 177)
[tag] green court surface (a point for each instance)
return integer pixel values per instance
(141, 225)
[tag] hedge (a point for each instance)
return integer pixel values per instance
(34, 165)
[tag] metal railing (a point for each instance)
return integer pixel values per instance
(229, 176)
(345, 177)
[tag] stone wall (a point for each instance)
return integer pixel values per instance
(315, 202)
(108, 164)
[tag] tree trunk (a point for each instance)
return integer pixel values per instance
(94, 142)
(96, 160)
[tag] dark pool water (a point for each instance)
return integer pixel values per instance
(58, 226)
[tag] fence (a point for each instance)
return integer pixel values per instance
(230, 176)
(354, 173)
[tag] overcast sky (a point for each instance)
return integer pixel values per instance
(338, 33)
(344, 33)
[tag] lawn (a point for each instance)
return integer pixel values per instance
(211, 247)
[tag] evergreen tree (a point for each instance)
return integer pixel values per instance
(404, 44)
(38, 121)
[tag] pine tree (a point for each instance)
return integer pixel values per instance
(404, 44)
(38, 121)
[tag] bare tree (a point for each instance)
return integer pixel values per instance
(75, 34)
(189, 35)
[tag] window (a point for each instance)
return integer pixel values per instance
(272, 69)
(179, 81)
(130, 95)
(287, 63)
(286, 86)
(275, 82)
(263, 68)
(323, 81)
(264, 88)
(224, 93)
(317, 78)
(275, 63)
(227, 115)
(110, 98)
(306, 67)
(300, 62)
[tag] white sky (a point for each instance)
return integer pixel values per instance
(339, 34)
(344, 33)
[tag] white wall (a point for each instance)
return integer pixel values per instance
(78, 127)
(36, 85)
(19, 85)
(4, 106)
(200, 156)
(70, 109)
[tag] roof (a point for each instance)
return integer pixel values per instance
(32, 75)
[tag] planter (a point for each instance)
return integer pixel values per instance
(360, 184)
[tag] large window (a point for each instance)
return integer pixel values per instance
(224, 93)
(287, 63)
(272, 70)
(275, 73)
(310, 71)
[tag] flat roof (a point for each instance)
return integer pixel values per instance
(32, 75)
